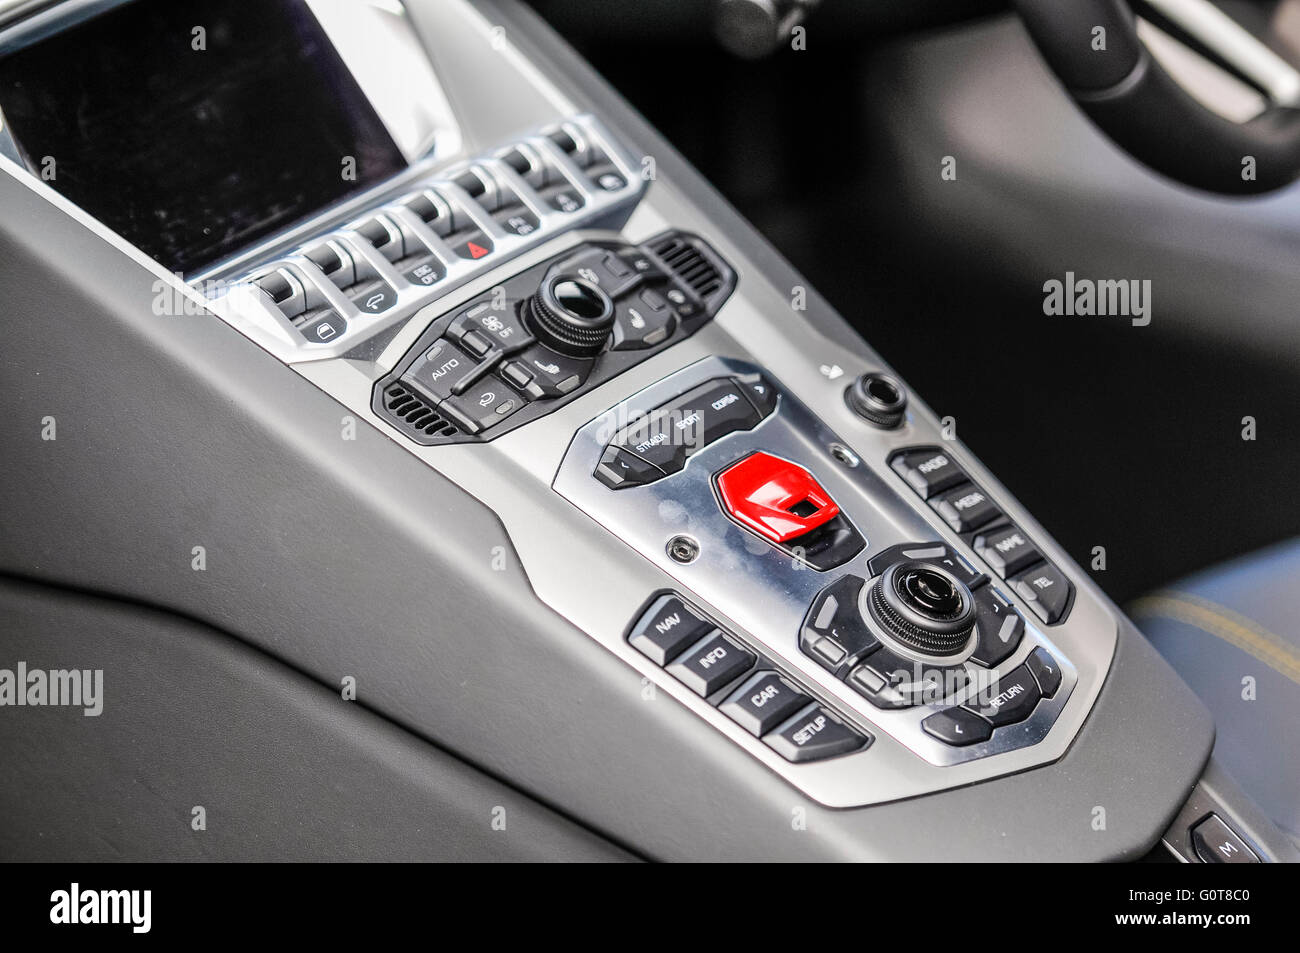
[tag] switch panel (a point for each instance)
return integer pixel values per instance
(906, 637)
(554, 331)
(397, 257)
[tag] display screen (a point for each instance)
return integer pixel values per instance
(195, 128)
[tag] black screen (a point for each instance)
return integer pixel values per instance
(191, 154)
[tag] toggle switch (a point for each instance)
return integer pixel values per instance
(775, 498)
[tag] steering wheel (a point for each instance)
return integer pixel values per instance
(1117, 68)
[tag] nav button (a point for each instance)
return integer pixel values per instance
(666, 630)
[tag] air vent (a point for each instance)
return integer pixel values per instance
(409, 408)
(689, 264)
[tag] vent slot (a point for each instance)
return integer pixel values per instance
(689, 264)
(416, 413)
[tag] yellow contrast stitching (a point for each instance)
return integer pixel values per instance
(1217, 620)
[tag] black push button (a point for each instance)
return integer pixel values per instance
(482, 404)
(1216, 843)
(502, 327)
(564, 199)
(374, 298)
(1046, 590)
(667, 629)
(957, 727)
(619, 469)
(427, 272)
(711, 663)
(1007, 550)
(325, 328)
(965, 508)
(517, 220)
(834, 634)
(1010, 699)
(474, 245)
(1045, 670)
(937, 553)
(1000, 627)
(814, 734)
(927, 471)
(599, 267)
(548, 374)
(441, 369)
(638, 325)
(763, 702)
(762, 395)
(877, 688)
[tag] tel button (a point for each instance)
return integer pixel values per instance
(1046, 590)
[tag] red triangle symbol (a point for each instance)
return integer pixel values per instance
(476, 251)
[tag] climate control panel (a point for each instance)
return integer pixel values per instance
(546, 335)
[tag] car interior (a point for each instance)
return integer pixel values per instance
(650, 430)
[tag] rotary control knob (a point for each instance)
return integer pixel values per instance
(924, 607)
(571, 315)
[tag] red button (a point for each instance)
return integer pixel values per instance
(775, 498)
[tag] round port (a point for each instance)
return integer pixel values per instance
(877, 398)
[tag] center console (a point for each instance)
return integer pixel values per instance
(740, 503)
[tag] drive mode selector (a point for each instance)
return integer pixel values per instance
(571, 315)
(924, 607)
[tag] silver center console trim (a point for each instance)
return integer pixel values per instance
(763, 589)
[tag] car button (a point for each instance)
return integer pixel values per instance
(927, 471)
(711, 663)
(763, 702)
(667, 629)
(813, 734)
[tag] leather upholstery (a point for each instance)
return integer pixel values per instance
(1233, 633)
